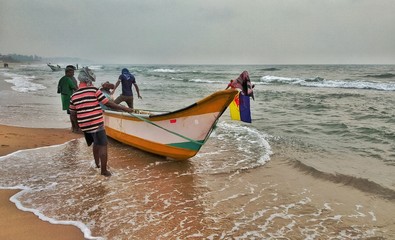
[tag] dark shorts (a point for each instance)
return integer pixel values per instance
(127, 99)
(98, 138)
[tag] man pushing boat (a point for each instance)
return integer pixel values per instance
(85, 108)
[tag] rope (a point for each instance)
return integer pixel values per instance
(167, 130)
(150, 110)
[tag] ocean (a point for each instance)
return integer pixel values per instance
(334, 123)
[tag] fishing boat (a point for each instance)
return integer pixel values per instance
(177, 135)
(55, 68)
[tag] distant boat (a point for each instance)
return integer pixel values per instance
(55, 68)
(178, 135)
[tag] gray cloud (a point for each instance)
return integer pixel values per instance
(197, 31)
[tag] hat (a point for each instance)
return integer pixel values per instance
(69, 68)
(86, 75)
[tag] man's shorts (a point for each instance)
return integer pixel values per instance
(98, 138)
(127, 99)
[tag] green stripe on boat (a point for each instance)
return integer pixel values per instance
(187, 145)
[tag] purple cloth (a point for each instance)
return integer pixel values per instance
(244, 84)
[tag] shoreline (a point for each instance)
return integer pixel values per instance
(18, 224)
(288, 178)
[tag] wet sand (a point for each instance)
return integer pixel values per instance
(289, 180)
(17, 224)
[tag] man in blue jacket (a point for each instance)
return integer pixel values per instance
(127, 79)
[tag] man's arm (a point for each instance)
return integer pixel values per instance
(116, 85)
(137, 90)
(75, 83)
(72, 85)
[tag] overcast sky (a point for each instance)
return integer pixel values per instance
(202, 31)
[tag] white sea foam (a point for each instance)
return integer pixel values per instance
(319, 82)
(271, 79)
(85, 230)
(151, 194)
(23, 83)
(51, 185)
(166, 70)
(250, 149)
(253, 137)
(96, 67)
(198, 80)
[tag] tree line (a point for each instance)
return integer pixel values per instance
(20, 58)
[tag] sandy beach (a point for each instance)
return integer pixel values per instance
(18, 224)
(25, 225)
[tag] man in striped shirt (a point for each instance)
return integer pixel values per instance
(85, 108)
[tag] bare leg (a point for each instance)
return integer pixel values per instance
(100, 152)
(129, 102)
(96, 155)
(74, 125)
(118, 100)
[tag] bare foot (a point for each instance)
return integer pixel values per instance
(106, 173)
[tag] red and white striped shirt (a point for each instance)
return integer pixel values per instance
(85, 101)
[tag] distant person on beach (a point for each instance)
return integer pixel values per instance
(85, 108)
(66, 86)
(127, 79)
(106, 90)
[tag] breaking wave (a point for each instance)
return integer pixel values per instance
(324, 83)
(23, 83)
(384, 75)
(249, 149)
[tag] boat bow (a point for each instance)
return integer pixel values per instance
(177, 135)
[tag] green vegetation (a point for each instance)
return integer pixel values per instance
(20, 58)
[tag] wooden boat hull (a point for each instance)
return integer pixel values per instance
(177, 135)
(55, 68)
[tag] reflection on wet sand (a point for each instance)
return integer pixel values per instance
(160, 197)
(149, 197)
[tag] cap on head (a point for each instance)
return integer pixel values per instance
(86, 75)
(69, 68)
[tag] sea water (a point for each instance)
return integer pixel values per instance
(334, 120)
